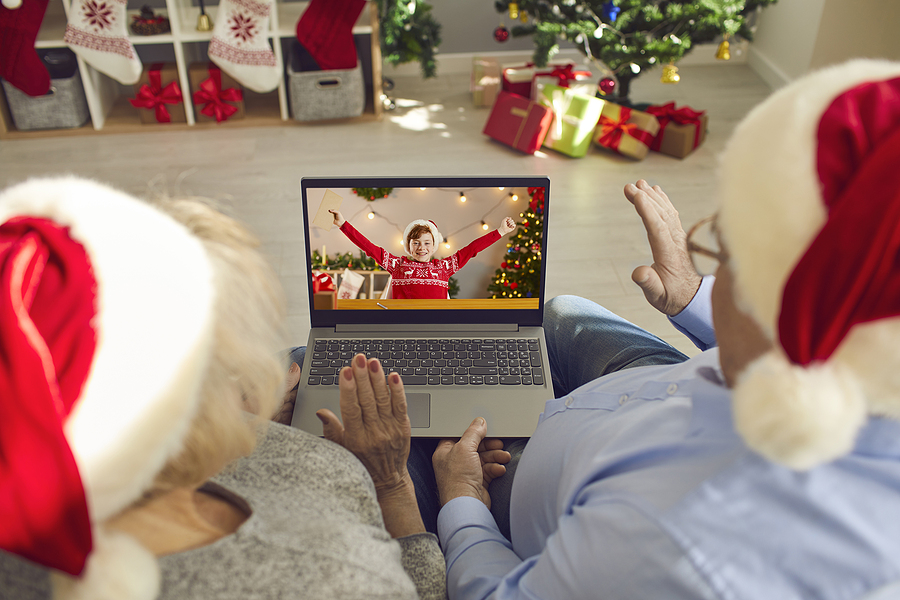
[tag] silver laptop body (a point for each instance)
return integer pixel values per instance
(419, 339)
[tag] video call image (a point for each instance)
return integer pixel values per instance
(431, 248)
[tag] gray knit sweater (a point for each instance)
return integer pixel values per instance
(315, 531)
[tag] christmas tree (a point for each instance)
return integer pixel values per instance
(628, 37)
(409, 32)
(519, 274)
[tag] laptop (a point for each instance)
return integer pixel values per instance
(478, 350)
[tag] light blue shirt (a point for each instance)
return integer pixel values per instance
(637, 486)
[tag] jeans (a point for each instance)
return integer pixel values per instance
(585, 341)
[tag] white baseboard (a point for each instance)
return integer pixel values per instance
(461, 62)
(767, 70)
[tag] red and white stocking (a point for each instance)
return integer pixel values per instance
(97, 33)
(240, 47)
(19, 63)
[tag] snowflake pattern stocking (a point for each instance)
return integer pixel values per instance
(96, 32)
(239, 45)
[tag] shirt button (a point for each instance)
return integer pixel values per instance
(623, 398)
(672, 388)
(569, 401)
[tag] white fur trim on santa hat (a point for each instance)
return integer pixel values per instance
(438, 238)
(798, 417)
(118, 568)
(155, 311)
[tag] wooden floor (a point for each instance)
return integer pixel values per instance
(595, 238)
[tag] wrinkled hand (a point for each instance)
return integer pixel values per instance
(338, 218)
(286, 411)
(671, 281)
(466, 467)
(506, 226)
(375, 425)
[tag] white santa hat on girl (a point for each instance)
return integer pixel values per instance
(810, 214)
(432, 227)
(106, 315)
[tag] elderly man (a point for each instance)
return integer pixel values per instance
(766, 467)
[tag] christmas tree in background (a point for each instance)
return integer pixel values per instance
(628, 37)
(519, 275)
(409, 32)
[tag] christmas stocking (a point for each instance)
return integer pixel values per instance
(19, 63)
(326, 31)
(96, 32)
(239, 45)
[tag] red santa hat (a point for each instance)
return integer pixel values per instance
(432, 227)
(810, 214)
(106, 314)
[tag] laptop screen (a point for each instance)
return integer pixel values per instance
(426, 249)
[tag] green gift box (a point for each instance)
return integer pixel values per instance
(575, 116)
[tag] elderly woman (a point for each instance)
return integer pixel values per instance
(136, 343)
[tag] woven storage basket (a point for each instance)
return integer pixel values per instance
(317, 95)
(63, 107)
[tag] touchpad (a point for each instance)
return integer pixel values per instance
(418, 407)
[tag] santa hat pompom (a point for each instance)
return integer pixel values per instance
(118, 567)
(799, 417)
(438, 238)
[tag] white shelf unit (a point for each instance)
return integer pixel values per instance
(107, 102)
(373, 287)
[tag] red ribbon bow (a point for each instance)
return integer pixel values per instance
(566, 74)
(322, 282)
(215, 99)
(156, 97)
(683, 116)
(613, 130)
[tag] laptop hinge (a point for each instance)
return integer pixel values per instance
(349, 327)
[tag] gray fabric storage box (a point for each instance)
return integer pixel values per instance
(317, 95)
(63, 107)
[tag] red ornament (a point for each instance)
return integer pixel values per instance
(501, 34)
(503, 265)
(514, 285)
(607, 85)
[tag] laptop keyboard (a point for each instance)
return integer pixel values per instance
(468, 361)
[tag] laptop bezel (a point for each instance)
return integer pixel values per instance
(332, 318)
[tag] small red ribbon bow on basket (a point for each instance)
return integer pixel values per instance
(215, 99)
(155, 97)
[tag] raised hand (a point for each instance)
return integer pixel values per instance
(338, 218)
(506, 226)
(671, 281)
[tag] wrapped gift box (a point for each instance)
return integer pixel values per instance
(575, 118)
(216, 95)
(681, 130)
(519, 79)
(518, 122)
(157, 95)
(579, 81)
(626, 131)
(485, 81)
(324, 300)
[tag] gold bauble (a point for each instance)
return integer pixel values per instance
(513, 10)
(670, 74)
(523, 16)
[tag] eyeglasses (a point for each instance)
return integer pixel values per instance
(704, 245)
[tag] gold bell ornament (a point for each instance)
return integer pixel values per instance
(670, 74)
(513, 10)
(523, 16)
(724, 51)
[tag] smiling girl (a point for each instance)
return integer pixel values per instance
(419, 275)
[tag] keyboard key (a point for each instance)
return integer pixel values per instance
(476, 380)
(328, 380)
(434, 380)
(491, 380)
(538, 376)
(535, 359)
(446, 380)
(483, 371)
(323, 371)
(510, 380)
(461, 380)
(414, 379)
(314, 381)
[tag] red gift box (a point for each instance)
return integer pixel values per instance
(681, 130)
(519, 79)
(216, 95)
(324, 296)
(518, 122)
(626, 131)
(157, 95)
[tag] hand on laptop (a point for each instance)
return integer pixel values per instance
(377, 430)
(338, 218)
(671, 282)
(467, 466)
(286, 412)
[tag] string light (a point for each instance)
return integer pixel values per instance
(371, 215)
(447, 243)
(484, 226)
(501, 188)
(462, 197)
(513, 197)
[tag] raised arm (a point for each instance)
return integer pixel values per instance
(671, 282)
